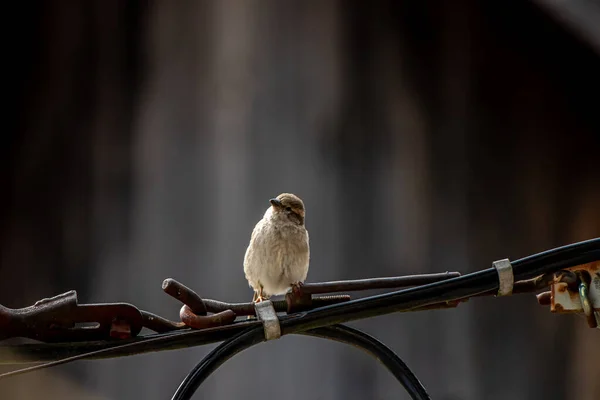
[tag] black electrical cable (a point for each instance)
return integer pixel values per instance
(556, 259)
(377, 349)
(339, 333)
(406, 299)
(215, 359)
(451, 289)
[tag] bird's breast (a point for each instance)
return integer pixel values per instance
(280, 242)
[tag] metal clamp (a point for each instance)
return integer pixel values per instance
(576, 290)
(266, 313)
(506, 279)
(584, 298)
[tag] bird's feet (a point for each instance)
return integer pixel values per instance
(259, 299)
(259, 295)
(297, 289)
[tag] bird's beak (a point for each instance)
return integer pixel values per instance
(275, 203)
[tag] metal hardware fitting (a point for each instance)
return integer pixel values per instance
(506, 279)
(62, 319)
(575, 290)
(266, 313)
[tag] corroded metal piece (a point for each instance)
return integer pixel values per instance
(576, 290)
(61, 319)
(565, 297)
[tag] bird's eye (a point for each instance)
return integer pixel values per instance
(288, 208)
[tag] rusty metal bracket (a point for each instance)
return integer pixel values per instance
(576, 290)
(193, 312)
(195, 309)
(61, 319)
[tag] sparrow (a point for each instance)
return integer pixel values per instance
(278, 255)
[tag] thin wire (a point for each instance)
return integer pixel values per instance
(170, 338)
(86, 355)
(338, 333)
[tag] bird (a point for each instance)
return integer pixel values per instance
(278, 255)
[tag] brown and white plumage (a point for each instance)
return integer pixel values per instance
(278, 255)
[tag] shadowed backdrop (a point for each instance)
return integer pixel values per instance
(145, 139)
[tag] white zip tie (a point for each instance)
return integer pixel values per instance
(266, 313)
(506, 279)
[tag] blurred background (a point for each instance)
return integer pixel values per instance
(145, 139)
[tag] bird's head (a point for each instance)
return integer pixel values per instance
(288, 206)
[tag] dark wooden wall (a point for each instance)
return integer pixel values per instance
(145, 138)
